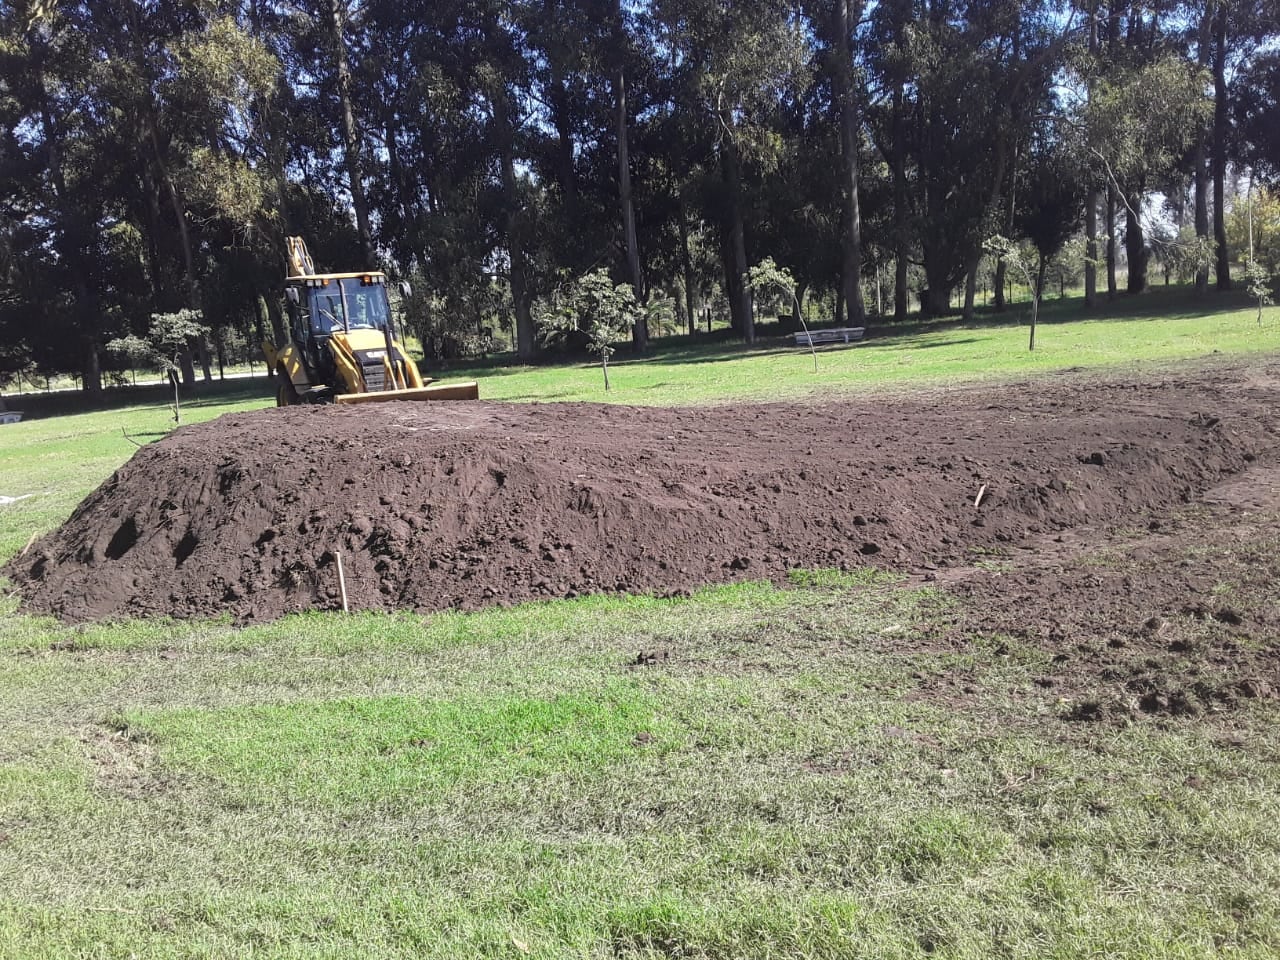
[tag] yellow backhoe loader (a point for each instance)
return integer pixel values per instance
(342, 346)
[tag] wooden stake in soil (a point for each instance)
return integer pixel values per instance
(981, 493)
(342, 584)
(28, 546)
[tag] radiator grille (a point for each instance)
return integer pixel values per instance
(375, 376)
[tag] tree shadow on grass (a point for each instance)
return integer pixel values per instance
(218, 393)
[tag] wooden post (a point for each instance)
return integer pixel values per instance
(342, 585)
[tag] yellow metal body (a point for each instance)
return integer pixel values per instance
(353, 347)
(464, 390)
(399, 370)
(289, 364)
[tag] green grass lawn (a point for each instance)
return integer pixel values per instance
(756, 771)
(1166, 325)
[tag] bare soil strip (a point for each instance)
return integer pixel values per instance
(442, 505)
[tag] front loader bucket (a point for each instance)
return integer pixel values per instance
(469, 390)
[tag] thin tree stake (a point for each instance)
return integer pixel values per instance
(342, 585)
(982, 491)
(28, 546)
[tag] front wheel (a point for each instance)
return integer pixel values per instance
(287, 395)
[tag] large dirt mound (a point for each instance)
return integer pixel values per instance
(437, 505)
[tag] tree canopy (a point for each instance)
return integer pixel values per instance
(154, 155)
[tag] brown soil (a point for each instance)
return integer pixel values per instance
(439, 505)
(1180, 619)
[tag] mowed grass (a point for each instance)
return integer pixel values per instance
(755, 771)
(1134, 333)
(752, 772)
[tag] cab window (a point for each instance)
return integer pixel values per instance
(366, 304)
(326, 310)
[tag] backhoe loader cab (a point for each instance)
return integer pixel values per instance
(342, 345)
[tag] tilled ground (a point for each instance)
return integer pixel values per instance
(439, 505)
(1178, 618)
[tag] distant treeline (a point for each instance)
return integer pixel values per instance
(155, 155)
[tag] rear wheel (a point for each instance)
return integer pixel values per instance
(287, 396)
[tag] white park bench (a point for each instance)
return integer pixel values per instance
(831, 335)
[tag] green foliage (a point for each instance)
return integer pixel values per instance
(455, 320)
(767, 275)
(170, 334)
(1142, 119)
(1028, 266)
(1183, 253)
(171, 337)
(596, 306)
(1258, 279)
(157, 158)
(1256, 217)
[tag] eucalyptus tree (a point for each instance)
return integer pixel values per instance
(737, 63)
(58, 149)
(1257, 116)
(837, 24)
(1140, 122)
(889, 63)
(967, 82)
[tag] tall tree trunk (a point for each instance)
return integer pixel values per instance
(1001, 278)
(730, 278)
(1223, 255)
(1091, 246)
(72, 244)
(263, 319)
(562, 122)
(851, 240)
(1111, 242)
(935, 301)
(158, 275)
(350, 135)
(276, 316)
(202, 355)
(640, 332)
(526, 346)
(1002, 268)
(901, 234)
(1135, 245)
(686, 264)
(970, 285)
(1200, 155)
(1091, 193)
(739, 300)
(1200, 159)
(566, 172)
(90, 365)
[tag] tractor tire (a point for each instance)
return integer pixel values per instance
(287, 395)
